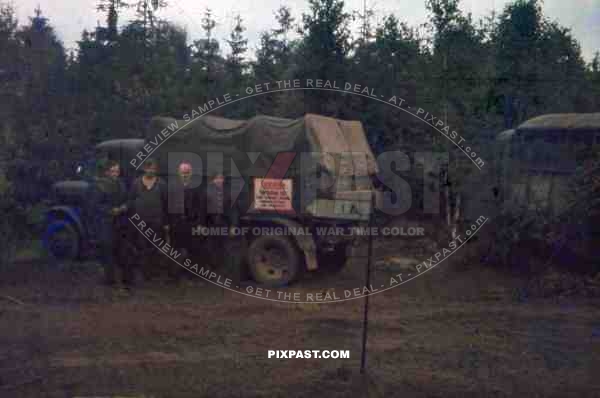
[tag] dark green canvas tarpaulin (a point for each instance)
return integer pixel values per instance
(563, 121)
(243, 140)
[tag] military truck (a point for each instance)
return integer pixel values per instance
(67, 234)
(537, 160)
(309, 174)
(533, 173)
(304, 175)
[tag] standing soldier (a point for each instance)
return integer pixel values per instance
(222, 213)
(148, 198)
(187, 210)
(109, 200)
(216, 217)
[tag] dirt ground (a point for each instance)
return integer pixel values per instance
(450, 333)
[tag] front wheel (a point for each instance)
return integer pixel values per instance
(62, 240)
(274, 261)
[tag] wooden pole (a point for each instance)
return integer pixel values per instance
(363, 358)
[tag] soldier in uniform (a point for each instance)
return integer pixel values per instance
(148, 199)
(109, 205)
(187, 210)
(222, 213)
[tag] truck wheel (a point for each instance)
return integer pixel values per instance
(62, 241)
(273, 261)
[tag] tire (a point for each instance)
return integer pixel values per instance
(273, 261)
(62, 241)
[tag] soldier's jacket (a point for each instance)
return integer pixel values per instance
(186, 205)
(107, 194)
(150, 204)
(221, 211)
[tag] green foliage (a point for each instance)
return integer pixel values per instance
(534, 238)
(583, 211)
(478, 77)
(323, 51)
(593, 77)
(7, 209)
(236, 68)
(274, 58)
(236, 64)
(538, 64)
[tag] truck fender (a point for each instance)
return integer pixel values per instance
(306, 243)
(68, 213)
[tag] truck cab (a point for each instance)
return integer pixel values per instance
(67, 232)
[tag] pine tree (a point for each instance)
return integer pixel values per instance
(274, 54)
(208, 49)
(538, 64)
(146, 17)
(366, 31)
(323, 52)
(112, 8)
(236, 63)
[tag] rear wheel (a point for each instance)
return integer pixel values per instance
(274, 261)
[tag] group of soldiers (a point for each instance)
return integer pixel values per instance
(170, 208)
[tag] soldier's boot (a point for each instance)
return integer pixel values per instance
(110, 273)
(232, 262)
(109, 276)
(128, 275)
(175, 271)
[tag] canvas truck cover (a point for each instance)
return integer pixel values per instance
(243, 140)
(580, 122)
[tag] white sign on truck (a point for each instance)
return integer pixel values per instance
(273, 194)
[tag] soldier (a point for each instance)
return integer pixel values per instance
(216, 217)
(222, 213)
(109, 204)
(148, 199)
(187, 210)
